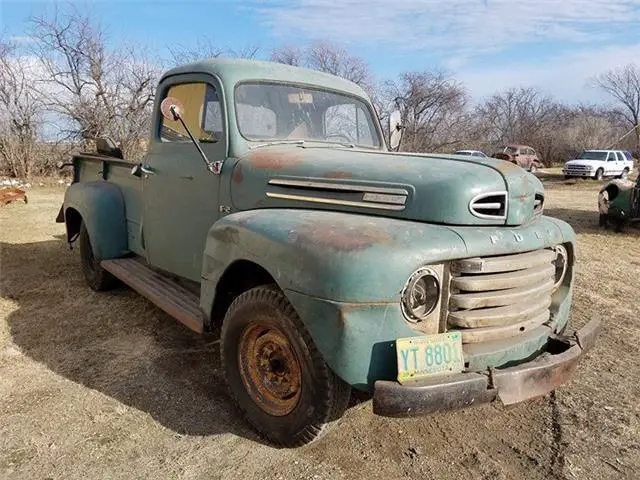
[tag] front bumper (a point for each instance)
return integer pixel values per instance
(511, 385)
(578, 173)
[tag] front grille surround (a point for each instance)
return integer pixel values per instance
(490, 205)
(499, 297)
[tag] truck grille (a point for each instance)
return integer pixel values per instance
(578, 168)
(500, 297)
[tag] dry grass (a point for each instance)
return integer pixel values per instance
(107, 386)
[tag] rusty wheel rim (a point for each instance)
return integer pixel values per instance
(269, 369)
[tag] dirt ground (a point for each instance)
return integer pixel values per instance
(108, 386)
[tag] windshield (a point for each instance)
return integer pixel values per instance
(268, 112)
(592, 156)
(511, 150)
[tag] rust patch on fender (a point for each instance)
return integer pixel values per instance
(340, 236)
(269, 160)
(237, 174)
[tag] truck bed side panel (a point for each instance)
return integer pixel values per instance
(118, 172)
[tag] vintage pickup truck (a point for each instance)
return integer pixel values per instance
(269, 206)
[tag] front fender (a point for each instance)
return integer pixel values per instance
(344, 274)
(102, 208)
(338, 256)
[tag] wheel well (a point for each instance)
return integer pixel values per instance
(73, 220)
(239, 277)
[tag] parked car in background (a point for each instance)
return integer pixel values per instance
(473, 153)
(599, 163)
(522, 155)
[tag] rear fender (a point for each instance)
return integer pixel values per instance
(100, 205)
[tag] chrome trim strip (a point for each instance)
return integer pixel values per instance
(485, 206)
(384, 198)
(336, 186)
(332, 201)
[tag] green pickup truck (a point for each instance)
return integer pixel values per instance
(268, 206)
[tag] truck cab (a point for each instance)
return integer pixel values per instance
(269, 207)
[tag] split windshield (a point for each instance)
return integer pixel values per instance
(593, 156)
(268, 112)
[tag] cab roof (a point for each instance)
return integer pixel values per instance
(234, 70)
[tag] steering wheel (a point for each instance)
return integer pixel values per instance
(338, 135)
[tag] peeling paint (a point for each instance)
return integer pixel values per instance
(268, 160)
(339, 236)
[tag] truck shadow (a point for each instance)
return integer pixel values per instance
(115, 342)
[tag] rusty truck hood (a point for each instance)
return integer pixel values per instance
(420, 187)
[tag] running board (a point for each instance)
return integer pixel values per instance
(168, 295)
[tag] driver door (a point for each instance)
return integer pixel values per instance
(180, 194)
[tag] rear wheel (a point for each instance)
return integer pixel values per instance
(96, 276)
(599, 174)
(275, 373)
(533, 168)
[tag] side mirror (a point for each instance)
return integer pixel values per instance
(172, 109)
(395, 130)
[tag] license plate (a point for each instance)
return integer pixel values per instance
(429, 355)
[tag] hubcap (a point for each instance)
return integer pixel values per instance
(269, 369)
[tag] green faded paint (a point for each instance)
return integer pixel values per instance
(344, 274)
(298, 211)
(102, 208)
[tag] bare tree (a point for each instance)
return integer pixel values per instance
(328, 58)
(623, 84)
(433, 109)
(21, 113)
(522, 115)
(289, 55)
(97, 90)
(205, 48)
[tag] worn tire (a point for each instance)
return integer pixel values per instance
(96, 276)
(599, 174)
(321, 396)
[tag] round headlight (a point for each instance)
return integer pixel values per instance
(421, 295)
(561, 263)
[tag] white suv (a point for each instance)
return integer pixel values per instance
(599, 163)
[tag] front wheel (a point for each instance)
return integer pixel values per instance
(96, 276)
(599, 174)
(275, 373)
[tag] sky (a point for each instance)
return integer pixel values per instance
(489, 45)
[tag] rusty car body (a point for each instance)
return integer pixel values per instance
(619, 203)
(521, 155)
(269, 206)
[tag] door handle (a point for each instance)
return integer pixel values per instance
(147, 170)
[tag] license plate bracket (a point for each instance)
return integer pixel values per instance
(429, 356)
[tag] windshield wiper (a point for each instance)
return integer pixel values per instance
(277, 142)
